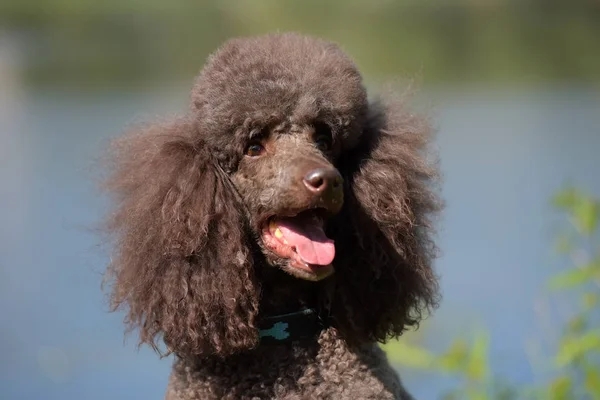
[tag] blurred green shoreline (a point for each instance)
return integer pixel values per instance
(533, 43)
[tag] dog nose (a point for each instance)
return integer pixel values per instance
(322, 180)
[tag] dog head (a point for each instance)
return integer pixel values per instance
(281, 163)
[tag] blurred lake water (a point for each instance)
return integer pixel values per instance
(503, 154)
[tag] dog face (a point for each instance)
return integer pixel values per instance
(291, 186)
(286, 123)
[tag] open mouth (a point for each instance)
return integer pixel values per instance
(301, 239)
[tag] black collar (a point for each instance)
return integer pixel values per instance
(284, 328)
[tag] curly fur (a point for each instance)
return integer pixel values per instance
(189, 266)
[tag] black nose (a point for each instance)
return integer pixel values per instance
(322, 180)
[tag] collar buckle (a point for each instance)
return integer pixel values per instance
(284, 328)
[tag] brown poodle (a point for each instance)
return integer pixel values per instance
(278, 231)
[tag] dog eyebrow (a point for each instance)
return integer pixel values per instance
(260, 133)
(268, 129)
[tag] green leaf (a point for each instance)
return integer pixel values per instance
(477, 367)
(416, 357)
(584, 209)
(585, 214)
(477, 394)
(560, 388)
(573, 278)
(590, 300)
(574, 347)
(592, 380)
(455, 359)
(566, 198)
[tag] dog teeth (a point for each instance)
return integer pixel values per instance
(277, 232)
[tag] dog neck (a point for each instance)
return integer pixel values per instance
(290, 309)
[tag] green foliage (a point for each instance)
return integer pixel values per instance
(401, 353)
(576, 346)
(582, 210)
(450, 41)
(575, 277)
(575, 361)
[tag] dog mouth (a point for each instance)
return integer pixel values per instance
(302, 241)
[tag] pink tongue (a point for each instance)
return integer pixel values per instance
(310, 241)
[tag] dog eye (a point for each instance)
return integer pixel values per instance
(322, 137)
(255, 150)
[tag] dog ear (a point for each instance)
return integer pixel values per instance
(384, 281)
(182, 266)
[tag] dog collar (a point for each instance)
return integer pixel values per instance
(303, 324)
